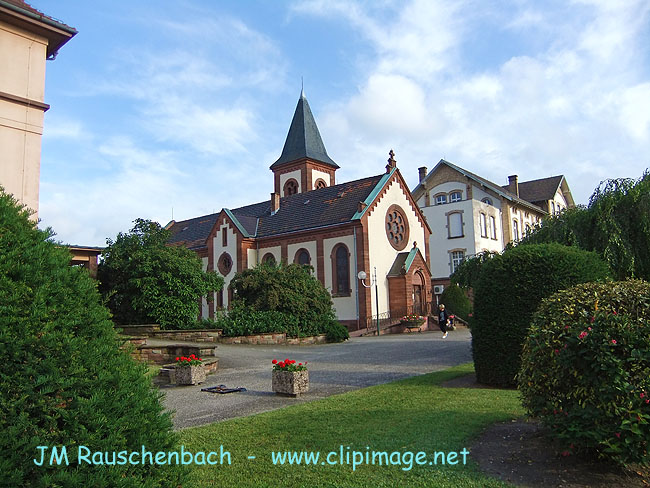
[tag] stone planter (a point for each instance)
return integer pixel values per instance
(187, 375)
(291, 383)
(412, 324)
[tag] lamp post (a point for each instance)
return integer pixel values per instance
(362, 276)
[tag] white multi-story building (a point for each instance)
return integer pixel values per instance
(469, 214)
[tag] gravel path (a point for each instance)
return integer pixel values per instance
(333, 369)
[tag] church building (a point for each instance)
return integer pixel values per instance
(372, 224)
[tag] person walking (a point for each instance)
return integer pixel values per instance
(443, 320)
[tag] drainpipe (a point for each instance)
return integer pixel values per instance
(356, 268)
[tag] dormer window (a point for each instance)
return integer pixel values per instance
(487, 201)
(441, 199)
(455, 196)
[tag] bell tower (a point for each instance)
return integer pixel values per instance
(304, 164)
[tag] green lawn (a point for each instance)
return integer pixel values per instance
(409, 415)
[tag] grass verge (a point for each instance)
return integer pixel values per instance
(415, 415)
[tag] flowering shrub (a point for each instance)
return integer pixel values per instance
(192, 360)
(586, 369)
(288, 365)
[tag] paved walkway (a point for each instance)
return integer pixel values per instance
(333, 369)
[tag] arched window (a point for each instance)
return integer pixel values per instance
(290, 187)
(341, 271)
(455, 196)
(441, 199)
(515, 230)
(302, 257)
(269, 259)
(320, 183)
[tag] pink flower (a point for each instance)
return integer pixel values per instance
(614, 312)
(566, 453)
(613, 341)
(618, 434)
(583, 334)
(588, 328)
(566, 327)
(642, 395)
(557, 351)
(593, 319)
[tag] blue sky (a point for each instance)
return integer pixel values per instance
(185, 104)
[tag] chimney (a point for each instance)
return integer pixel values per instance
(275, 202)
(513, 184)
(423, 173)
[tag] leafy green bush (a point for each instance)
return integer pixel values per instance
(245, 321)
(456, 302)
(289, 289)
(586, 369)
(336, 332)
(144, 280)
(509, 289)
(65, 380)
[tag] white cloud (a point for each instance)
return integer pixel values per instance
(576, 103)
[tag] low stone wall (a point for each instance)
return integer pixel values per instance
(298, 341)
(199, 335)
(154, 331)
(165, 354)
(274, 339)
(142, 330)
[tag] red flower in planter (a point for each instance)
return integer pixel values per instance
(288, 365)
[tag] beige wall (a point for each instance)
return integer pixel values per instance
(346, 307)
(315, 174)
(286, 177)
(22, 58)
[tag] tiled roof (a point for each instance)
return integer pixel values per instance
(324, 207)
(540, 190)
(318, 208)
(194, 232)
(303, 139)
(25, 6)
(403, 262)
(487, 183)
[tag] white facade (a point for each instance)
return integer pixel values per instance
(231, 249)
(382, 253)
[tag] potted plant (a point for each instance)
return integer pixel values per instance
(412, 321)
(188, 371)
(289, 378)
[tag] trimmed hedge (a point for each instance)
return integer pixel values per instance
(65, 380)
(586, 369)
(509, 289)
(456, 302)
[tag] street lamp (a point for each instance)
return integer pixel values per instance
(362, 276)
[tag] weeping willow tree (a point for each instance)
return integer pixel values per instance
(615, 224)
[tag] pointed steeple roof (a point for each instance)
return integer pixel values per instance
(303, 139)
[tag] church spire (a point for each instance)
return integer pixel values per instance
(304, 140)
